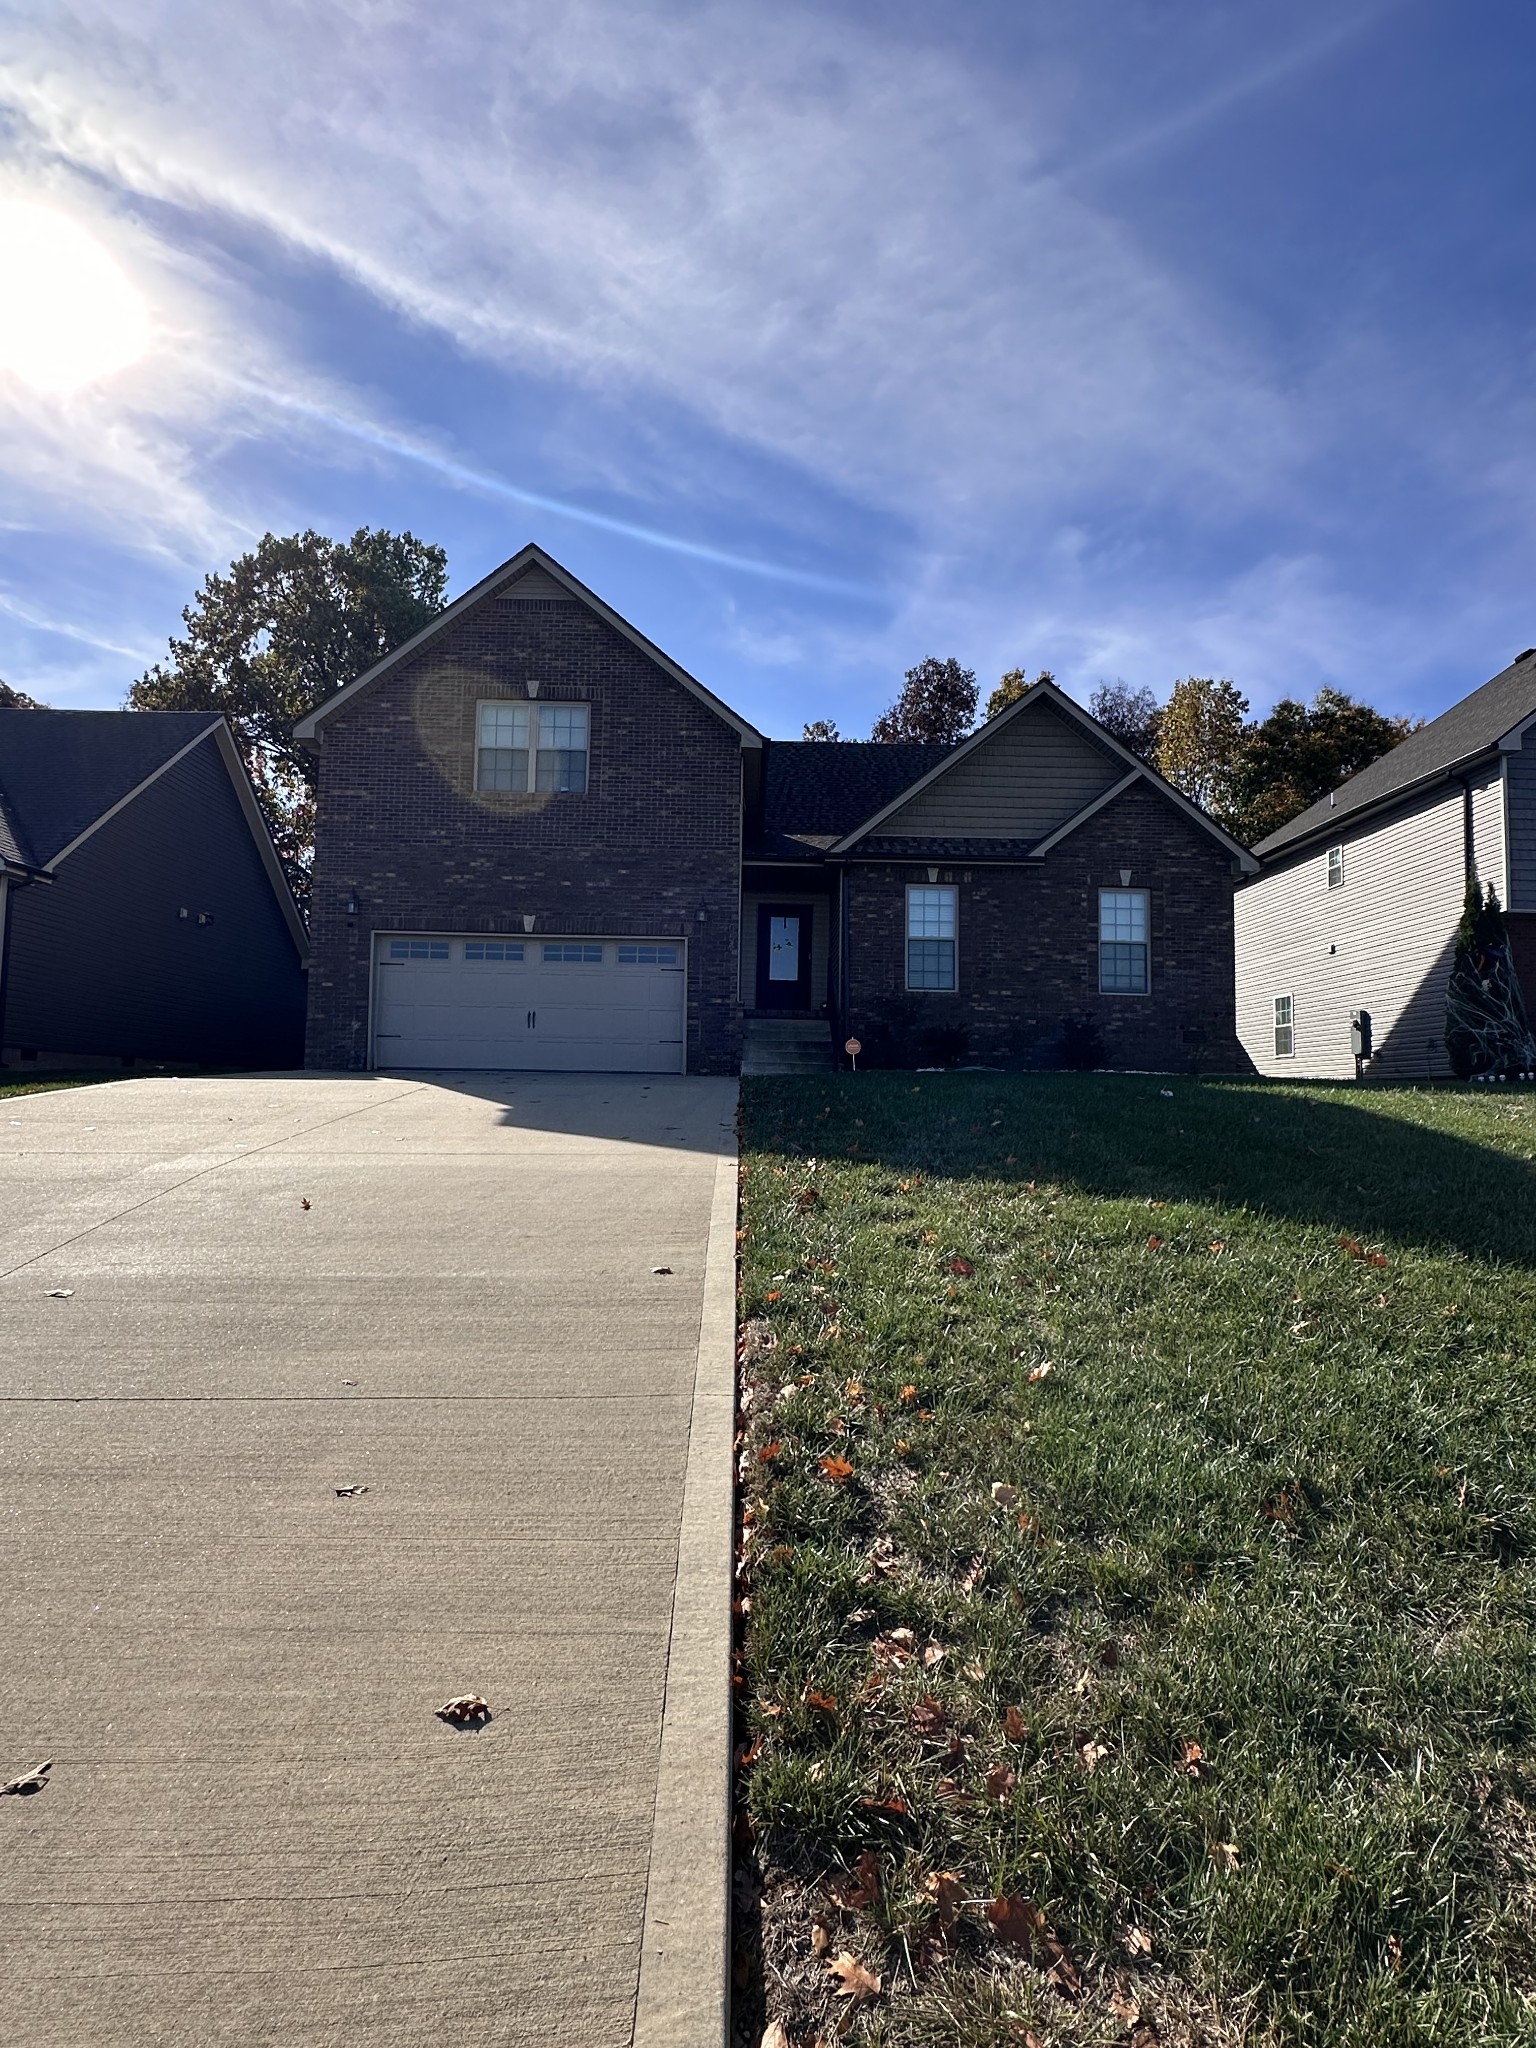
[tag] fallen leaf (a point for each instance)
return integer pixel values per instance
(973, 1574)
(1090, 1754)
(853, 1392)
(35, 1780)
(949, 1793)
(854, 1981)
(1137, 1942)
(838, 1470)
(962, 1268)
(349, 1492)
(1123, 2002)
(909, 1395)
(1001, 1781)
(929, 1719)
(1154, 1243)
(807, 1199)
(1019, 1922)
(464, 1710)
(774, 2036)
(1004, 1494)
(975, 1672)
(303, 1201)
(769, 1452)
(945, 1892)
(933, 1654)
(821, 1937)
(1015, 1727)
(60, 1293)
(1039, 1372)
(897, 1648)
(863, 1886)
(1064, 1973)
(1192, 1762)
(1225, 1855)
(661, 1269)
(823, 1702)
(1394, 1953)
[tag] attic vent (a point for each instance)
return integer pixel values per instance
(535, 585)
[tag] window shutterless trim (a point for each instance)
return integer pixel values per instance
(1125, 942)
(931, 948)
(1285, 1027)
(1335, 867)
(524, 748)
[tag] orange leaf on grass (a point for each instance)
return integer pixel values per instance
(1001, 1781)
(838, 1470)
(1154, 1243)
(1015, 1920)
(945, 1892)
(929, 1719)
(769, 1452)
(1015, 1727)
(962, 1268)
(854, 1981)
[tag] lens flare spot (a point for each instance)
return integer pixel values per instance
(69, 314)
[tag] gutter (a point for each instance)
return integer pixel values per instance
(1344, 821)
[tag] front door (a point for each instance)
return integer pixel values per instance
(784, 956)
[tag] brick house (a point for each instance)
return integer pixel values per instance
(543, 844)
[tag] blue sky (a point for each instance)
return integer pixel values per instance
(1128, 339)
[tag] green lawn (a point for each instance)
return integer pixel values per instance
(1218, 1723)
(38, 1084)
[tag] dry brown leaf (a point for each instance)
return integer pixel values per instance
(774, 2036)
(1015, 1727)
(1137, 1942)
(1001, 1781)
(897, 1649)
(465, 1710)
(1039, 1372)
(933, 1654)
(1123, 2002)
(929, 1719)
(769, 1452)
(303, 1201)
(1015, 1920)
(1225, 1855)
(35, 1780)
(1154, 1243)
(973, 1574)
(823, 1702)
(1004, 1494)
(1090, 1754)
(349, 1492)
(962, 1268)
(821, 1937)
(1064, 1973)
(1192, 1762)
(807, 1199)
(945, 1892)
(854, 1981)
(837, 1469)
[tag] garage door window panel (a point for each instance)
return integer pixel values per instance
(569, 955)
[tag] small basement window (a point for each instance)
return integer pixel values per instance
(567, 955)
(493, 949)
(1335, 867)
(418, 949)
(1123, 921)
(932, 916)
(1285, 1028)
(648, 956)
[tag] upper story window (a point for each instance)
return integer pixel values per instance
(932, 916)
(532, 746)
(1285, 1028)
(1335, 867)
(1123, 921)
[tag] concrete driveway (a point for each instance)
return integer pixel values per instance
(255, 1829)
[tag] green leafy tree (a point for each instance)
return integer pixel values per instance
(1487, 1029)
(1200, 743)
(937, 704)
(18, 700)
(1301, 752)
(821, 729)
(286, 627)
(1134, 716)
(1011, 685)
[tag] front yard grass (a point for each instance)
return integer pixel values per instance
(1137, 1595)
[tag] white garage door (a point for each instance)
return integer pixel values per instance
(567, 1005)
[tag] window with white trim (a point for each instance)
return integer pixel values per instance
(563, 953)
(418, 949)
(1123, 948)
(493, 949)
(1335, 867)
(650, 956)
(1285, 1028)
(932, 919)
(521, 747)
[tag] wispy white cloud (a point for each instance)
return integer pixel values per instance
(69, 629)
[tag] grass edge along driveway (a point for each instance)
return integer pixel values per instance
(1137, 1595)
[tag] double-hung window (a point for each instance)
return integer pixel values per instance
(931, 922)
(1285, 1028)
(1335, 867)
(1123, 942)
(521, 747)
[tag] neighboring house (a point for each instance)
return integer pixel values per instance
(542, 843)
(1358, 900)
(144, 917)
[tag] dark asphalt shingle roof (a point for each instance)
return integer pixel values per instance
(815, 791)
(60, 770)
(1459, 735)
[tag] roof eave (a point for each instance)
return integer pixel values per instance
(1337, 821)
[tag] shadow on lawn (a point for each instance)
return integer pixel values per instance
(1348, 1159)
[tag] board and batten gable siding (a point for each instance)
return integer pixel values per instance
(1392, 928)
(1021, 783)
(102, 964)
(1520, 796)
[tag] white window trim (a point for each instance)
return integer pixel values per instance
(535, 711)
(1134, 994)
(1290, 1026)
(906, 939)
(1335, 859)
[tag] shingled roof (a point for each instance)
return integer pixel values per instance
(1453, 740)
(62, 770)
(816, 791)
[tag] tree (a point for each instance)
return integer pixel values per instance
(1200, 742)
(1301, 752)
(1134, 717)
(821, 729)
(1487, 1030)
(289, 625)
(18, 700)
(937, 704)
(1011, 685)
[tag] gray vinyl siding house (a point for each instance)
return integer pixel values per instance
(144, 917)
(1357, 900)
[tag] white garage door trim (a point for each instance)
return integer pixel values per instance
(543, 1002)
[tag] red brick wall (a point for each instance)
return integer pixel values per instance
(656, 838)
(1029, 951)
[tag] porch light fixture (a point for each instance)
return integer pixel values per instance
(352, 903)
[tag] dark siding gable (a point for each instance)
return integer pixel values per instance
(101, 963)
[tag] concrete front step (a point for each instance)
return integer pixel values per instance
(787, 1045)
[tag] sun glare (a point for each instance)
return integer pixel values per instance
(68, 313)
